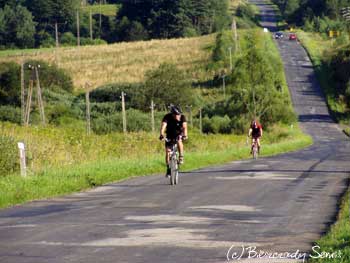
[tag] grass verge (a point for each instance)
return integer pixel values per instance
(337, 240)
(52, 182)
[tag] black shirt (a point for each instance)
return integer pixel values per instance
(174, 127)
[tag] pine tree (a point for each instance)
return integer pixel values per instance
(16, 27)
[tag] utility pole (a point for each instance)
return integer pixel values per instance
(78, 29)
(200, 121)
(56, 34)
(123, 111)
(230, 51)
(39, 96)
(91, 36)
(35, 72)
(100, 20)
(23, 112)
(235, 36)
(152, 115)
(88, 120)
(223, 85)
(29, 100)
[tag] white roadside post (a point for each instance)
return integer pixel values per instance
(22, 159)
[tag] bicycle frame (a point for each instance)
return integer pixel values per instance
(255, 148)
(173, 163)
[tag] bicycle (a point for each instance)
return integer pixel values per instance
(254, 150)
(173, 162)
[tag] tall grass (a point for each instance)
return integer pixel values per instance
(123, 62)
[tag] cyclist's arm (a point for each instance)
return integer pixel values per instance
(250, 132)
(163, 128)
(184, 127)
(261, 132)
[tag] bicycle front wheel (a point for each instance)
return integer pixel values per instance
(255, 153)
(173, 169)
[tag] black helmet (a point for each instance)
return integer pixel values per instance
(175, 110)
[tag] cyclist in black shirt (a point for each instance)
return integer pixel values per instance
(174, 128)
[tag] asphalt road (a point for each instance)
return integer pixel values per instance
(278, 204)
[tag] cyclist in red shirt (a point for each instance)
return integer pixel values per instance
(256, 132)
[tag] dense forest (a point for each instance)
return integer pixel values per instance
(315, 15)
(28, 23)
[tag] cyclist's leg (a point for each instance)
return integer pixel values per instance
(253, 141)
(258, 141)
(180, 146)
(167, 158)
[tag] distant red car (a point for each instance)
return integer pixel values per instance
(292, 36)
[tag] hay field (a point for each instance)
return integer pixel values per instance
(123, 62)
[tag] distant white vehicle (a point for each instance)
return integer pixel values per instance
(266, 30)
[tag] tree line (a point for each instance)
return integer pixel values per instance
(32, 23)
(144, 19)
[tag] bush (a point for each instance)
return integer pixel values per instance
(190, 32)
(45, 39)
(57, 112)
(107, 124)
(112, 93)
(138, 121)
(166, 85)
(8, 155)
(84, 41)
(10, 113)
(68, 39)
(217, 124)
(9, 84)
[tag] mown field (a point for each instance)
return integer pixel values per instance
(123, 62)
